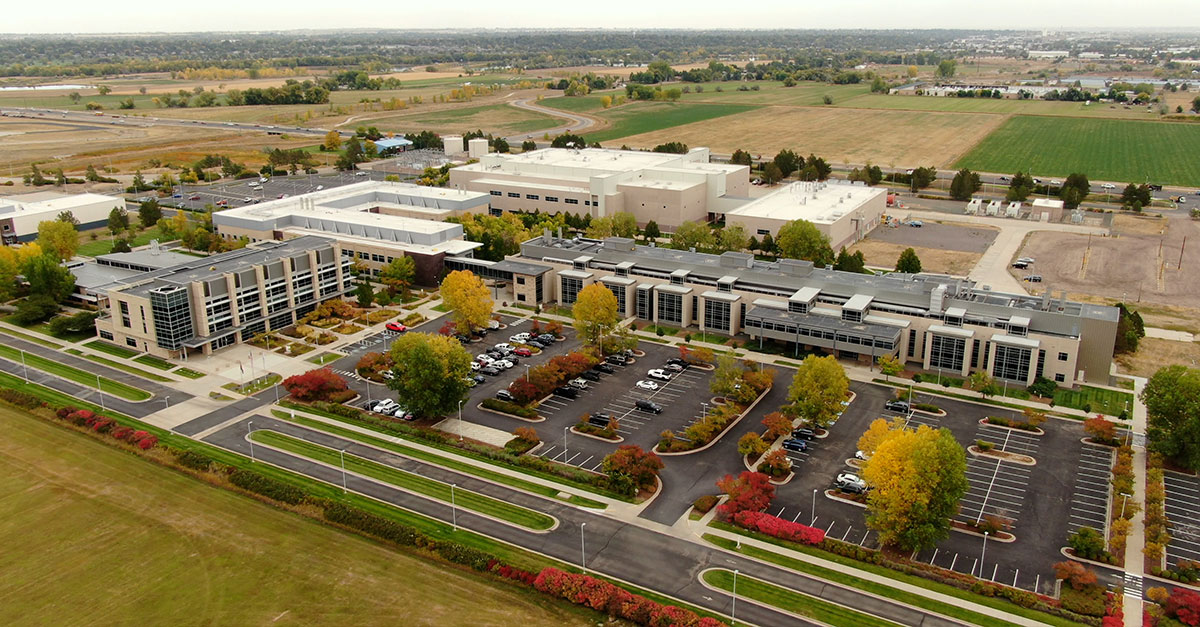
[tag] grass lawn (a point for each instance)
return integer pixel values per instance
(411, 482)
(643, 117)
(85, 512)
(324, 358)
(102, 245)
(120, 366)
(31, 338)
(255, 386)
(440, 460)
(499, 118)
(155, 362)
(1115, 150)
(44, 329)
(112, 349)
(1101, 400)
(916, 600)
(86, 379)
(191, 374)
(791, 601)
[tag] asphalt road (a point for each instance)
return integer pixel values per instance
(116, 119)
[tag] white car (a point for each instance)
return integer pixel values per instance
(1055, 182)
(519, 338)
(493, 324)
(503, 363)
(1108, 186)
(861, 455)
(484, 358)
(475, 365)
(659, 374)
(847, 479)
(253, 183)
(360, 173)
(647, 385)
(504, 347)
(320, 187)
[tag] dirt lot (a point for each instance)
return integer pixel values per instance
(884, 255)
(840, 135)
(953, 237)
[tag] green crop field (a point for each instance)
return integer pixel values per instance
(170, 550)
(999, 105)
(644, 117)
(1114, 150)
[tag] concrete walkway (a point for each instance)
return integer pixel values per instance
(1134, 559)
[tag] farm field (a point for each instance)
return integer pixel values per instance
(1113, 150)
(998, 105)
(646, 117)
(83, 513)
(839, 135)
(500, 119)
(804, 94)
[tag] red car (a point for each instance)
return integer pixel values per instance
(194, 197)
(396, 326)
(523, 352)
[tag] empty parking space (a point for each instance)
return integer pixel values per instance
(1008, 439)
(996, 489)
(1089, 502)
(1183, 510)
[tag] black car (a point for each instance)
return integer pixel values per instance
(512, 359)
(679, 362)
(605, 368)
(505, 395)
(1155, 188)
(490, 371)
(618, 359)
(899, 406)
(792, 444)
(546, 338)
(566, 391)
(803, 433)
(495, 354)
(535, 344)
(462, 339)
(599, 420)
(649, 406)
(590, 376)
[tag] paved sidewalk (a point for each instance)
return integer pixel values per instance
(1134, 559)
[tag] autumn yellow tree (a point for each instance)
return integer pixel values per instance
(880, 430)
(917, 478)
(468, 300)
(818, 389)
(333, 141)
(889, 366)
(595, 313)
(12, 259)
(58, 238)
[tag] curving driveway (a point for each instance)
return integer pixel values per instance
(578, 123)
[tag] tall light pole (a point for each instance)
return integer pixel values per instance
(1123, 502)
(814, 508)
(249, 439)
(460, 427)
(342, 454)
(24, 368)
(565, 429)
(100, 393)
(582, 550)
(983, 554)
(453, 508)
(733, 608)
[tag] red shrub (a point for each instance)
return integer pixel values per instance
(315, 385)
(64, 412)
(778, 527)
(147, 442)
(525, 392)
(102, 424)
(601, 595)
(138, 436)
(81, 416)
(120, 432)
(1184, 606)
(750, 491)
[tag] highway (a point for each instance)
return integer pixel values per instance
(115, 119)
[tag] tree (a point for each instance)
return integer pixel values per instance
(752, 445)
(528, 145)
(118, 220)
(631, 462)
(1075, 574)
(922, 178)
(982, 383)
(748, 492)
(568, 140)
(740, 157)
(880, 430)
(889, 366)
(121, 245)
(46, 276)
(818, 389)
(500, 145)
(58, 238)
(772, 174)
(677, 148)
(1020, 187)
(83, 322)
(965, 184)
(917, 478)
(398, 274)
(1136, 194)
(333, 141)
(149, 213)
(430, 372)
(1074, 190)
(651, 232)
(104, 90)
(847, 262)
(777, 424)
(692, 235)
(800, 239)
(36, 308)
(816, 168)
(1130, 329)
(468, 299)
(69, 218)
(908, 262)
(1172, 398)
(595, 313)
(727, 377)
(731, 238)
(321, 384)
(946, 68)
(788, 162)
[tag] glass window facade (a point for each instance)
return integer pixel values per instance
(619, 292)
(716, 315)
(172, 317)
(947, 352)
(670, 308)
(644, 299)
(1012, 363)
(570, 289)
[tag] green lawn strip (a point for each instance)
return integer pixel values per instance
(644, 117)
(154, 362)
(31, 338)
(253, 388)
(120, 366)
(191, 374)
(442, 307)
(974, 399)
(408, 481)
(324, 358)
(459, 451)
(43, 328)
(1110, 402)
(440, 460)
(914, 580)
(103, 245)
(112, 349)
(836, 576)
(74, 374)
(792, 601)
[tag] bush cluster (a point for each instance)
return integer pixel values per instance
(509, 408)
(702, 431)
(1157, 533)
(20, 399)
(705, 503)
(617, 602)
(929, 407)
(1014, 424)
(779, 528)
(193, 460)
(104, 424)
(260, 484)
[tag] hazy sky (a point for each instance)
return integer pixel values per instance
(91, 16)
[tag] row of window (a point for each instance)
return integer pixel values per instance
(569, 201)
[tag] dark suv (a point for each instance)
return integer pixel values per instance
(618, 359)
(599, 420)
(899, 406)
(649, 406)
(590, 376)
(803, 433)
(795, 445)
(545, 338)
(605, 368)
(566, 391)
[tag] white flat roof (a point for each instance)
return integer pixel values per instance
(858, 302)
(593, 158)
(805, 294)
(44, 202)
(328, 199)
(578, 189)
(1013, 340)
(450, 247)
(955, 331)
(822, 203)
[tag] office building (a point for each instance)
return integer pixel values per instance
(209, 303)
(843, 211)
(21, 214)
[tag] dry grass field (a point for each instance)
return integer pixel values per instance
(1153, 354)
(98, 536)
(839, 135)
(884, 255)
(497, 118)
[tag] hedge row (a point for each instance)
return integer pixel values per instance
(104, 424)
(266, 486)
(605, 597)
(496, 404)
(778, 527)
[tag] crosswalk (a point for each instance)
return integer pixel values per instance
(1133, 585)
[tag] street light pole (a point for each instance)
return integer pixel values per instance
(100, 393)
(582, 550)
(814, 508)
(460, 427)
(342, 454)
(167, 401)
(565, 429)
(453, 508)
(26, 369)
(1123, 502)
(733, 608)
(249, 431)
(983, 554)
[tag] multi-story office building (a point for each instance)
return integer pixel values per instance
(668, 188)
(213, 302)
(935, 322)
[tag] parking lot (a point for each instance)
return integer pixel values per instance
(1183, 510)
(236, 193)
(1089, 506)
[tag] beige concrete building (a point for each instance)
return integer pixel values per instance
(209, 303)
(667, 188)
(843, 211)
(933, 322)
(21, 214)
(374, 221)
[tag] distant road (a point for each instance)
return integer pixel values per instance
(136, 121)
(579, 123)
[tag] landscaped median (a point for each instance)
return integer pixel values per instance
(116, 365)
(770, 595)
(87, 379)
(409, 482)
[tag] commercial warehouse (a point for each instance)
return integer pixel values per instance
(843, 211)
(21, 214)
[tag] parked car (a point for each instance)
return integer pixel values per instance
(1026, 259)
(590, 375)
(478, 378)
(658, 374)
(470, 382)
(535, 344)
(620, 360)
(599, 420)
(385, 405)
(1020, 265)
(503, 363)
(1108, 186)
(861, 455)
(505, 395)
(194, 197)
(566, 391)
(850, 482)
(463, 339)
(1034, 278)
(675, 361)
(523, 352)
(647, 385)
(676, 368)
(395, 326)
(493, 324)
(490, 371)
(546, 338)
(484, 358)
(605, 368)
(898, 406)
(794, 445)
(649, 406)
(579, 384)
(519, 338)
(504, 347)
(803, 433)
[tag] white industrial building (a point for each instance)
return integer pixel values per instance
(843, 211)
(21, 214)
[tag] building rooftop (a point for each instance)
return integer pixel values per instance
(151, 258)
(817, 202)
(52, 202)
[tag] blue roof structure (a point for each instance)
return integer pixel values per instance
(391, 143)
